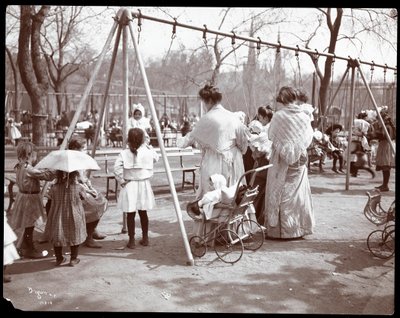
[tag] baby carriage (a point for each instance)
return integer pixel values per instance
(380, 242)
(235, 227)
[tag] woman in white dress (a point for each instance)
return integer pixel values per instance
(222, 139)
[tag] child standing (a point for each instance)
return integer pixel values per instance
(66, 225)
(14, 132)
(28, 205)
(133, 169)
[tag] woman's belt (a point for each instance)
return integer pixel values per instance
(29, 192)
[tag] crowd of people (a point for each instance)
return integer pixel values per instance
(286, 137)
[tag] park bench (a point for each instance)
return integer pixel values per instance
(108, 158)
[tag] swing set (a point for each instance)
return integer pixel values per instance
(123, 25)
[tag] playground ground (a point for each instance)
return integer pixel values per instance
(328, 272)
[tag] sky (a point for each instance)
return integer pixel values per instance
(155, 37)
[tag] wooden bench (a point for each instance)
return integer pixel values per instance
(110, 157)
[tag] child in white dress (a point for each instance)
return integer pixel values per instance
(133, 169)
(10, 253)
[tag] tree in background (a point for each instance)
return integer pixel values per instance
(33, 68)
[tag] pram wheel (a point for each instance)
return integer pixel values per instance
(381, 243)
(228, 246)
(198, 246)
(251, 234)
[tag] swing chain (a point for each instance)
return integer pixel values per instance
(384, 85)
(332, 77)
(372, 72)
(205, 35)
(298, 65)
(173, 36)
(233, 42)
(316, 56)
(139, 24)
(258, 46)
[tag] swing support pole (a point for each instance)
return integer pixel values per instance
(178, 211)
(353, 64)
(377, 111)
(105, 99)
(338, 88)
(89, 86)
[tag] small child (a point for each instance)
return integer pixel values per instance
(220, 194)
(66, 225)
(14, 133)
(133, 169)
(28, 205)
(209, 199)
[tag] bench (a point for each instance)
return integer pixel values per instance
(171, 152)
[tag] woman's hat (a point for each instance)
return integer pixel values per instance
(333, 127)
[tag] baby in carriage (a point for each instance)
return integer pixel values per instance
(206, 204)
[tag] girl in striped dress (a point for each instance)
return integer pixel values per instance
(28, 205)
(66, 225)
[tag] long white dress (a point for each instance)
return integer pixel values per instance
(10, 253)
(223, 141)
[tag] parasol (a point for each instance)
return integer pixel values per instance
(68, 161)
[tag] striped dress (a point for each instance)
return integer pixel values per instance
(66, 225)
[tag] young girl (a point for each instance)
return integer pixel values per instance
(14, 132)
(66, 225)
(94, 203)
(28, 206)
(133, 169)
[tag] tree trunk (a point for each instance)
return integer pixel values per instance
(15, 74)
(58, 89)
(325, 79)
(33, 68)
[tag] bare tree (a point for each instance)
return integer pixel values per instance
(62, 47)
(33, 68)
(376, 23)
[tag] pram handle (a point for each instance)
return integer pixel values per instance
(254, 172)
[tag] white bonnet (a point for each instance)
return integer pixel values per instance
(218, 180)
(138, 107)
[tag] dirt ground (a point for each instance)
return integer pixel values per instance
(328, 272)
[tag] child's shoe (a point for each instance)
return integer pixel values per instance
(131, 243)
(74, 262)
(144, 241)
(61, 261)
(6, 279)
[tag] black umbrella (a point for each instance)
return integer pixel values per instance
(331, 128)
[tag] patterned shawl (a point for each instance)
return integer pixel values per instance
(291, 133)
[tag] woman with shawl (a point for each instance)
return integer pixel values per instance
(288, 203)
(222, 139)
